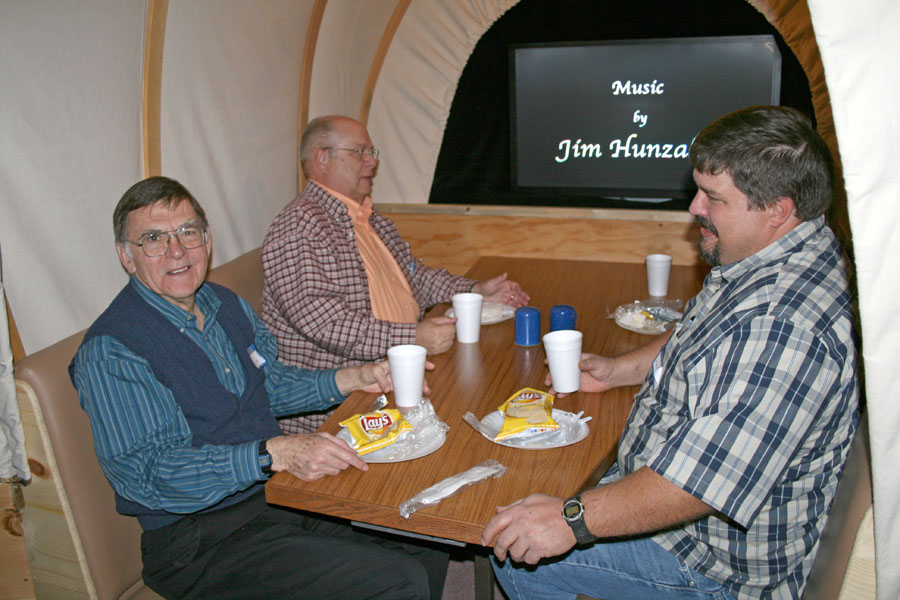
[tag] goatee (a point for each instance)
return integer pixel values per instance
(710, 256)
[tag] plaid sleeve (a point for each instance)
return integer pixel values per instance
(753, 397)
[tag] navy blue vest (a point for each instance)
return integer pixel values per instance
(214, 415)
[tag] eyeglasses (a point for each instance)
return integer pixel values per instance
(361, 153)
(156, 243)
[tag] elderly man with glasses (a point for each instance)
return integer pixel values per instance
(181, 382)
(341, 286)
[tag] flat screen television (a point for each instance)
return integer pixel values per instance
(616, 119)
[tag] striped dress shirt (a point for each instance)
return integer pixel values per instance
(141, 437)
(751, 407)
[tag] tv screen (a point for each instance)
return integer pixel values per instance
(616, 119)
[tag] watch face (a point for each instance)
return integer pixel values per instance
(571, 510)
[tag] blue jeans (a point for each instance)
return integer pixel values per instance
(638, 569)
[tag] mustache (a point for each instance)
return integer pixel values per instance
(707, 224)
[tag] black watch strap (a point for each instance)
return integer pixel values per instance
(573, 513)
(265, 459)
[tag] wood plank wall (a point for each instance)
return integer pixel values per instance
(454, 237)
(15, 572)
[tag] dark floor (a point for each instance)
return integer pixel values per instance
(460, 582)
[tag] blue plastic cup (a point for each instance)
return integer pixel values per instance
(528, 326)
(562, 316)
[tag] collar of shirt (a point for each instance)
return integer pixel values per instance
(359, 212)
(205, 299)
(783, 246)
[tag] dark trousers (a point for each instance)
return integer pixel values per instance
(253, 550)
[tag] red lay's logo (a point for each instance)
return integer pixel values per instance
(527, 397)
(376, 422)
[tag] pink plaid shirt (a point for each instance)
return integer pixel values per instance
(316, 295)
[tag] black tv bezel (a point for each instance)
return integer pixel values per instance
(638, 195)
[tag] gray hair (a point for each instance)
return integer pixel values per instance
(318, 133)
(148, 192)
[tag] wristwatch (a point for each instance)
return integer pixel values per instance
(265, 459)
(573, 513)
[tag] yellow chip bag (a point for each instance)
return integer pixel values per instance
(527, 412)
(377, 429)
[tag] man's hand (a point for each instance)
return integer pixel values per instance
(436, 334)
(596, 374)
(500, 289)
(529, 529)
(600, 373)
(310, 456)
(376, 377)
(371, 377)
(642, 502)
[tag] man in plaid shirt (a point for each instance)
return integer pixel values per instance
(341, 286)
(731, 455)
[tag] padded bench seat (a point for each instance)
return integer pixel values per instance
(78, 545)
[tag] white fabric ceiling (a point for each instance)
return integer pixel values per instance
(230, 91)
(861, 53)
(70, 108)
(70, 141)
(409, 114)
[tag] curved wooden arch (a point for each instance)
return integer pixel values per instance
(306, 68)
(378, 60)
(151, 86)
(790, 18)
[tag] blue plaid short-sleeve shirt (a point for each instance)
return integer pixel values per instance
(751, 406)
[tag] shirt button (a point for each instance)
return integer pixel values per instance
(227, 370)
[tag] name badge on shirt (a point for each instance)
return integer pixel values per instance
(255, 357)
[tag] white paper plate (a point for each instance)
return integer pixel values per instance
(382, 455)
(655, 327)
(491, 312)
(571, 431)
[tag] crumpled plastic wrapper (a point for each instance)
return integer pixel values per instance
(489, 469)
(651, 317)
(572, 428)
(426, 426)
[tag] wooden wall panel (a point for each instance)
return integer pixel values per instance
(56, 557)
(455, 241)
(15, 573)
(151, 109)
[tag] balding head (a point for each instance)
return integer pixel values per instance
(328, 153)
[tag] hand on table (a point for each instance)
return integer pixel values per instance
(500, 289)
(596, 374)
(529, 529)
(311, 456)
(436, 334)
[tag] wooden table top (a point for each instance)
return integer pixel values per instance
(479, 377)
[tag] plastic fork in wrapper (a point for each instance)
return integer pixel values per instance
(489, 469)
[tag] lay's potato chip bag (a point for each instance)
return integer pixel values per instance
(377, 429)
(527, 412)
